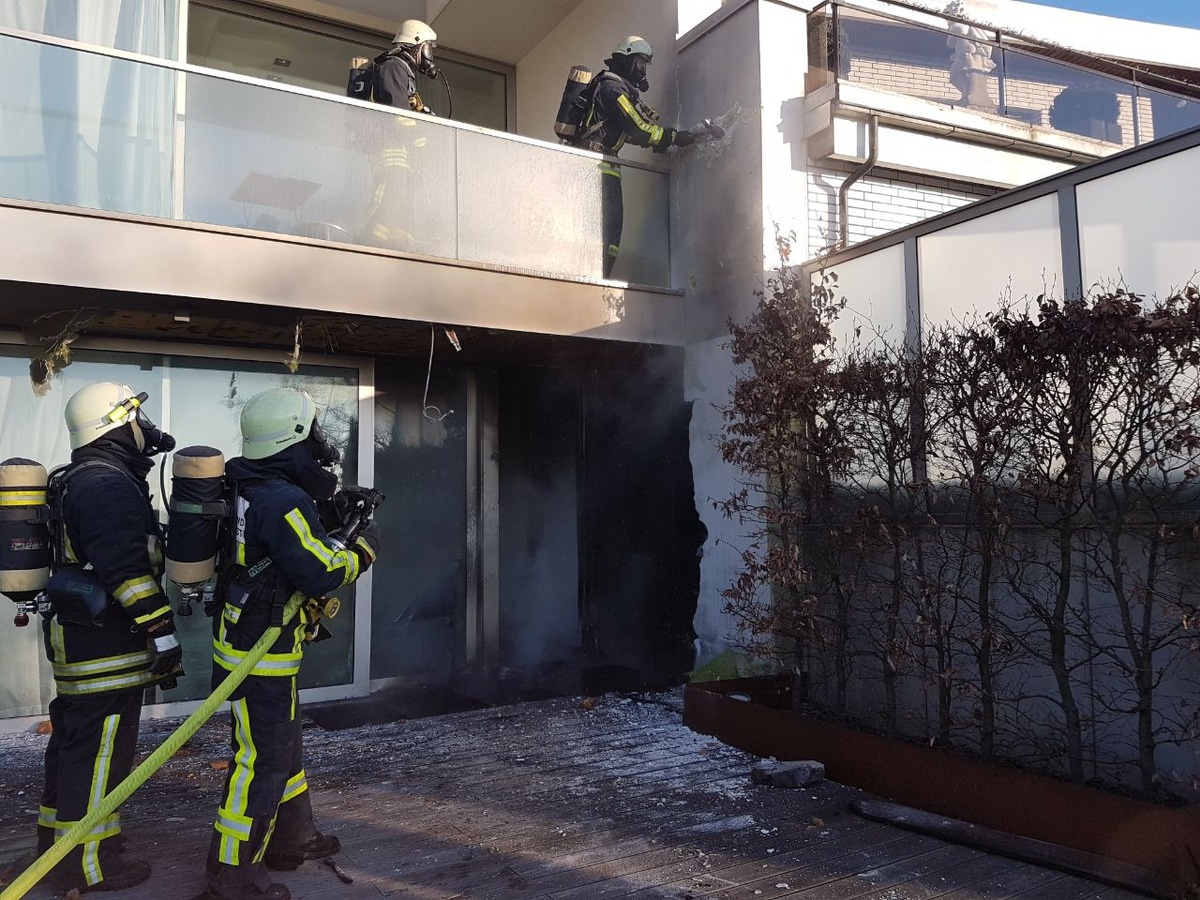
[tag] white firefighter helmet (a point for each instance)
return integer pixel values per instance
(634, 46)
(98, 409)
(413, 32)
(275, 420)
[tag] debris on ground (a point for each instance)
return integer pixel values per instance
(788, 774)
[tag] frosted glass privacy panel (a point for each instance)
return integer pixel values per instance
(270, 160)
(82, 129)
(873, 287)
(527, 207)
(645, 240)
(970, 268)
(1138, 227)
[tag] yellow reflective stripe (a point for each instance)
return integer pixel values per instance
(99, 787)
(59, 650)
(164, 610)
(296, 786)
(99, 666)
(99, 685)
(272, 664)
(330, 559)
(233, 813)
(654, 132)
(607, 168)
(47, 816)
(110, 827)
(22, 498)
(233, 824)
(135, 589)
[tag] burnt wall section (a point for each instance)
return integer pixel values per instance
(640, 533)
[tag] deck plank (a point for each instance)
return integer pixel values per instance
(544, 801)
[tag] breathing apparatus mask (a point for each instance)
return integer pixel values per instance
(323, 453)
(632, 67)
(423, 58)
(420, 56)
(637, 73)
(151, 440)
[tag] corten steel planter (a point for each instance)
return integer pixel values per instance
(1107, 825)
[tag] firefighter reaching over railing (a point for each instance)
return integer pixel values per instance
(605, 112)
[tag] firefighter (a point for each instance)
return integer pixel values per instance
(279, 547)
(617, 115)
(395, 73)
(393, 212)
(104, 653)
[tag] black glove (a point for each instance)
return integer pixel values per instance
(367, 544)
(165, 652)
(684, 138)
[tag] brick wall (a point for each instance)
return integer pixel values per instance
(1028, 100)
(883, 201)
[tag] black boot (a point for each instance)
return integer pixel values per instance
(120, 872)
(318, 846)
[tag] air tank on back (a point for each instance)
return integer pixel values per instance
(24, 533)
(196, 511)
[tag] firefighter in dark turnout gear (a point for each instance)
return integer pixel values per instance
(279, 547)
(617, 116)
(393, 215)
(103, 657)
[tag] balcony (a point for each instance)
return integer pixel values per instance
(173, 180)
(940, 76)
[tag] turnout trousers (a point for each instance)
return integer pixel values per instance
(612, 214)
(266, 801)
(89, 753)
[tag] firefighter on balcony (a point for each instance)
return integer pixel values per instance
(391, 79)
(109, 633)
(279, 547)
(617, 115)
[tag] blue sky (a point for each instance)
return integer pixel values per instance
(1167, 12)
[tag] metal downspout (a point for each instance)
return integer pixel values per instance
(844, 190)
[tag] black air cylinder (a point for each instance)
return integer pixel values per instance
(24, 532)
(571, 110)
(197, 488)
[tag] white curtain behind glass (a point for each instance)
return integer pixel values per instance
(83, 129)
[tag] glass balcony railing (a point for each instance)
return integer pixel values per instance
(948, 62)
(87, 128)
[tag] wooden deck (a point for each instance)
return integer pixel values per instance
(544, 800)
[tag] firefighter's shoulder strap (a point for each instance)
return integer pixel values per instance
(56, 493)
(593, 119)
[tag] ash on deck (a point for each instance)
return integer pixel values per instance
(542, 800)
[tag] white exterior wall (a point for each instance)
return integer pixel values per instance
(730, 201)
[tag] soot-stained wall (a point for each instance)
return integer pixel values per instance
(599, 535)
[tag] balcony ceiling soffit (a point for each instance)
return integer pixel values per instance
(39, 310)
(503, 30)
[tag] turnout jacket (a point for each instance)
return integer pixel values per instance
(616, 116)
(277, 519)
(394, 82)
(108, 522)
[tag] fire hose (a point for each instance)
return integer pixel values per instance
(123, 791)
